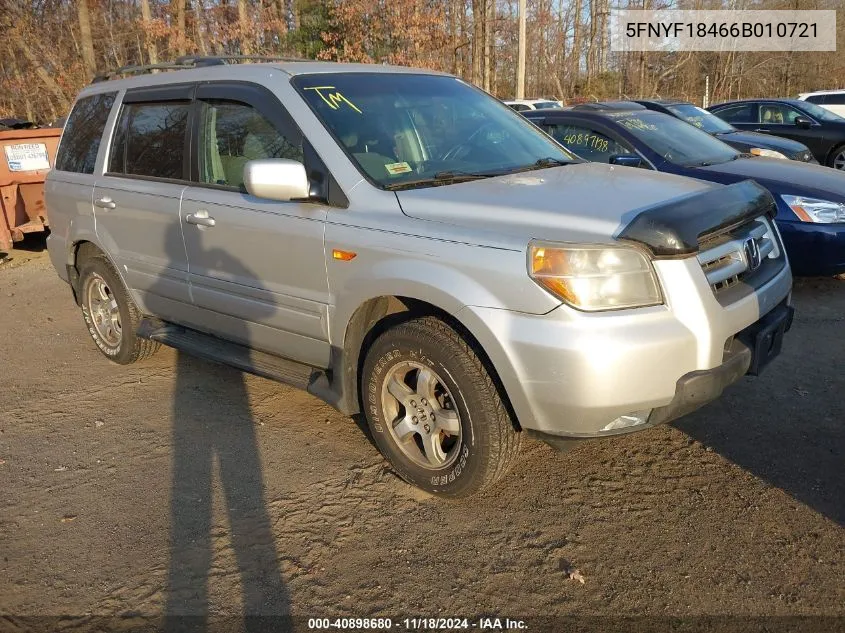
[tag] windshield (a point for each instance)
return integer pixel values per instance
(421, 130)
(819, 113)
(700, 118)
(675, 140)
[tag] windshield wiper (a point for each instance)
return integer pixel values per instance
(440, 178)
(541, 163)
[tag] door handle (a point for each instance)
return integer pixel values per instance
(200, 218)
(105, 203)
(762, 130)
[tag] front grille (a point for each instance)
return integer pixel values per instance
(751, 254)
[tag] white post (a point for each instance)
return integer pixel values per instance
(706, 100)
(520, 60)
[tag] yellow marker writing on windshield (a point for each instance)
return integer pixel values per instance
(333, 99)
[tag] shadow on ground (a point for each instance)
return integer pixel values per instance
(787, 427)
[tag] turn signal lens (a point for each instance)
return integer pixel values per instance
(594, 278)
(343, 256)
(814, 210)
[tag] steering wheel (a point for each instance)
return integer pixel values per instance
(466, 145)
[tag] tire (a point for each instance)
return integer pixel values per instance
(424, 387)
(836, 159)
(110, 314)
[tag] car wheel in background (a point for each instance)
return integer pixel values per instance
(837, 158)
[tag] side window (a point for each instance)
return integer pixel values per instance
(586, 143)
(816, 98)
(776, 114)
(741, 113)
(837, 98)
(231, 134)
(150, 140)
(83, 132)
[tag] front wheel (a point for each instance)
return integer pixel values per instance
(434, 410)
(837, 158)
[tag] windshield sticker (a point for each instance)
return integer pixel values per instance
(333, 99)
(395, 169)
(637, 124)
(586, 140)
(697, 121)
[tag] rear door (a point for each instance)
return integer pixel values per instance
(136, 201)
(742, 115)
(257, 267)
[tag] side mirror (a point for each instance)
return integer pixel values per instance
(625, 160)
(803, 122)
(276, 179)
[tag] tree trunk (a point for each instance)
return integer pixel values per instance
(181, 41)
(520, 59)
(87, 40)
(44, 76)
(575, 70)
(477, 40)
(489, 16)
(198, 26)
(147, 21)
(243, 27)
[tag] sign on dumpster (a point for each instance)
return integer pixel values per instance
(27, 157)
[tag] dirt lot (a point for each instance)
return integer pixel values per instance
(177, 486)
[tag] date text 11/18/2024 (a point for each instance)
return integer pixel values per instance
(417, 624)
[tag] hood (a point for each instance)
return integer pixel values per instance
(784, 176)
(582, 202)
(766, 141)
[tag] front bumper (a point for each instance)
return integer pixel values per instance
(814, 248)
(571, 374)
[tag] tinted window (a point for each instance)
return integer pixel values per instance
(83, 132)
(150, 140)
(742, 113)
(586, 143)
(835, 99)
(546, 104)
(816, 98)
(402, 128)
(676, 141)
(233, 133)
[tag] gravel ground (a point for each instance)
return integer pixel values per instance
(179, 487)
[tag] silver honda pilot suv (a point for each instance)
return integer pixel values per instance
(406, 247)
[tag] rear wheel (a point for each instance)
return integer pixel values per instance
(434, 410)
(110, 314)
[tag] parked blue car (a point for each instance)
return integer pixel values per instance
(810, 198)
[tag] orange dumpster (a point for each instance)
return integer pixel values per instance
(25, 158)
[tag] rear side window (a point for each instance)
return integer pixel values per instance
(816, 98)
(83, 132)
(742, 113)
(837, 98)
(150, 140)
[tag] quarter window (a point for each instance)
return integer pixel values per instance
(233, 133)
(150, 140)
(589, 144)
(83, 132)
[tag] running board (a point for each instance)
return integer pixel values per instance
(218, 350)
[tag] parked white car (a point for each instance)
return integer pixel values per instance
(833, 100)
(520, 105)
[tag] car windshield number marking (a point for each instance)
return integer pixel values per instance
(586, 140)
(636, 124)
(333, 99)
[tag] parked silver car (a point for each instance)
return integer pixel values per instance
(403, 245)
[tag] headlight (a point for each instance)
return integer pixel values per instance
(814, 210)
(768, 153)
(594, 278)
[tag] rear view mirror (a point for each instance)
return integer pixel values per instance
(803, 122)
(625, 160)
(276, 179)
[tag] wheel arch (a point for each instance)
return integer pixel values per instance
(378, 314)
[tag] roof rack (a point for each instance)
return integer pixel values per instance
(192, 61)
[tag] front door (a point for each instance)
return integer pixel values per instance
(136, 201)
(257, 267)
(779, 119)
